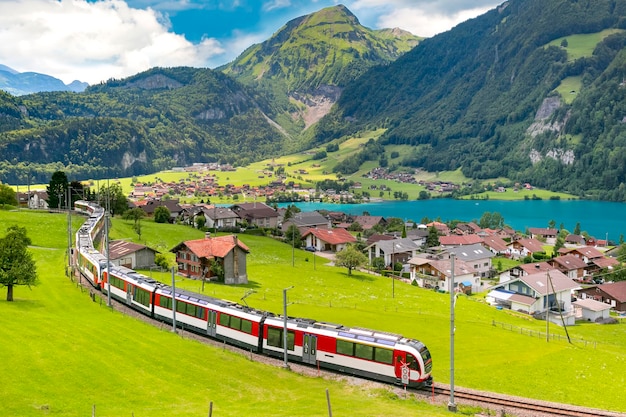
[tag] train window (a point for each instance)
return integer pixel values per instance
(181, 307)
(200, 312)
(274, 337)
(141, 296)
(117, 282)
(235, 323)
(410, 360)
(383, 355)
(425, 353)
(165, 302)
(224, 320)
(246, 326)
(345, 348)
(364, 351)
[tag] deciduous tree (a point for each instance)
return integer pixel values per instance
(350, 257)
(7, 196)
(161, 214)
(17, 266)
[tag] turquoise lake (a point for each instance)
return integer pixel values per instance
(598, 218)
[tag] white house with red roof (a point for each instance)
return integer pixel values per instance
(332, 240)
(211, 257)
(521, 248)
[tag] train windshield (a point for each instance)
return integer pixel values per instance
(425, 354)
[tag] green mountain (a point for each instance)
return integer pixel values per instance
(533, 91)
(306, 63)
(154, 120)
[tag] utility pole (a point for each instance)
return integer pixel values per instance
(285, 325)
(69, 229)
(451, 404)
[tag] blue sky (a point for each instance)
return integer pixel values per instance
(94, 40)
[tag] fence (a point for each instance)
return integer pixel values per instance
(543, 335)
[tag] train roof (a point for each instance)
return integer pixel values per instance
(207, 301)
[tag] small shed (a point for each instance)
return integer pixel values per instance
(591, 310)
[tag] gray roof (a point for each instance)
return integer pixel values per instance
(308, 218)
(540, 283)
(471, 252)
(401, 245)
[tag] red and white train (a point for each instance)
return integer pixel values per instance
(368, 353)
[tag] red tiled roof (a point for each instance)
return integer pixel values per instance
(570, 262)
(588, 251)
(459, 240)
(533, 245)
(217, 247)
(331, 236)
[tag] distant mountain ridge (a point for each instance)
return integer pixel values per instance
(22, 83)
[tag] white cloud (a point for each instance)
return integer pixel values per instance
(426, 22)
(74, 39)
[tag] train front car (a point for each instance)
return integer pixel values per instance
(362, 352)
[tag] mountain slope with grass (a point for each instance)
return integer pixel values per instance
(309, 60)
(491, 97)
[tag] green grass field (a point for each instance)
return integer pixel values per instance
(582, 45)
(63, 353)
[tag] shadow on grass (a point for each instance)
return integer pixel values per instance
(359, 276)
(23, 304)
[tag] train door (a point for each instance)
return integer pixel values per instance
(211, 320)
(399, 363)
(309, 349)
(129, 293)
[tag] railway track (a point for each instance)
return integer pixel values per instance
(519, 406)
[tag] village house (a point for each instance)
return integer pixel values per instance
(211, 257)
(612, 294)
(547, 235)
(219, 217)
(572, 266)
(459, 240)
(392, 251)
(591, 310)
(475, 255)
(33, 200)
(525, 269)
(306, 219)
(258, 214)
(131, 255)
(172, 205)
(368, 222)
(333, 240)
(537, 293)
(524, 247)
(495, 244)
(437, 273)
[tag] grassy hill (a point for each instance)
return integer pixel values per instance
(63, 353)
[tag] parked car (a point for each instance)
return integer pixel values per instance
(311, 248)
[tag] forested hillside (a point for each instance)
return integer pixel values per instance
(151, 121)
(468, 97)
